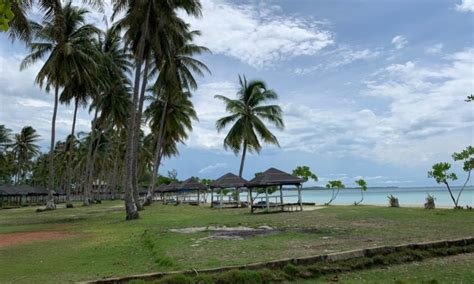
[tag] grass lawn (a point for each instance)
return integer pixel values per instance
(98, 242)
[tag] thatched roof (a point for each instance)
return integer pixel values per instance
(274, 177)
(174, 186)
(192, 184)
(161, 187)
(229, 180)
(12, 190)
(143, 190)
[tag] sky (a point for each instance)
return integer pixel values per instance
(371, 89)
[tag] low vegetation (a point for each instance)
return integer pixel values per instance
(95, 242)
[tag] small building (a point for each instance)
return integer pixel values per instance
(171, 193)
(20, 195)
(193, 192)
(272, 181)
(227, 183)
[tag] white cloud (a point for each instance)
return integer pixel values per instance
(435, 49)
(399, 41)
(213, 167)
(339, 57)
(465, 6)
(256, 35)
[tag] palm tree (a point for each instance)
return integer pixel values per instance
(141, 21)
(64, 41)
(5, 138)
(248, 115)
(25, 148)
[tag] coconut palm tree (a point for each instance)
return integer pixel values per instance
(64, 42)
(141, 21)
(25, 148)
(248, 113)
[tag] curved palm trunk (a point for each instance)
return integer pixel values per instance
(451, 194)
(141, 100)
(464, 186)
(69, 158)
(50, 204)
(92, 168)
(361, 197)
(241, 170)
(130, 204)
(88, 176)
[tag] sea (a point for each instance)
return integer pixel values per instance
(407, 196)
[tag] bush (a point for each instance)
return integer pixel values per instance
(393, 201)
(430, 202)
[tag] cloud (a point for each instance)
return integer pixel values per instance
(339, 57)
(399, 41)
(213, 167)
(465, 6)
(258, 35)
(435, 49)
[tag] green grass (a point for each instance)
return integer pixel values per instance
(106, 245)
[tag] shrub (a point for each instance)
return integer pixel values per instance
(393, 201)
(430, 202)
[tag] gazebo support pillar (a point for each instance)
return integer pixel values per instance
(251, 200)
(199, 197)
(212, 197)
(281, 198)
(299, 198)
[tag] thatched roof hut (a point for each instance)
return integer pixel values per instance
(18, 190)
(192, 184)
(274, 177)
(229, 180)
(161, 188)
(172, 187)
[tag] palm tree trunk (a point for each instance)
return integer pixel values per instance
(451, 194)
(141, 100)
(244, 152)
(130, 204)
(94, 156)
(157, 155)
(50, 204)
(88, 177)
(69, 158)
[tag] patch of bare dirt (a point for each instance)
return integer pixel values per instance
(12, 239)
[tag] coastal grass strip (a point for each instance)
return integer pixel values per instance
(306, 267)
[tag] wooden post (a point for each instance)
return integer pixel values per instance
(281, 197)
(266, 196)
(251, 200)
(299, 198)
(199, 197)
(212, 197)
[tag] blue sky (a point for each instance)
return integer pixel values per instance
(369, 89)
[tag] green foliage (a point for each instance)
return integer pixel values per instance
(335, 184)
(6, 14)
(393, 201)
(305, 173)
(430, 202)
(440, 173)
(470, 98)
(467, 156)
(362, 184)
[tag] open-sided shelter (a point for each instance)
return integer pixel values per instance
(18, 195)
(192, 191)
(227, 182)
(170, 192)
(274, 178)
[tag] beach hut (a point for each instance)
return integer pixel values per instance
(274, 179)
(159, 191)
(18, 195)
(192, 191)
(171, 191)
(226, 182)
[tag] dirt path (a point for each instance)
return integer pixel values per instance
(11, 239)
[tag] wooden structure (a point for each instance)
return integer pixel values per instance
(191, 191)
(158, 194)
(228, 181)
(22, 195)
(274, 178)
(170, 192)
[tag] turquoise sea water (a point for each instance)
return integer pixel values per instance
(407, 196)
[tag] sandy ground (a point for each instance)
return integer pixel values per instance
(26, 237)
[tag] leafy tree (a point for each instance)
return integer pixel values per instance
(173, 175)
(335, 186)
(470, 98)
(440, 172)
(363, 187)
(248, 113)
(25, 148)
(305, 173)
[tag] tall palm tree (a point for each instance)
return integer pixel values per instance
(140, 22)
(5, 138)
(25, 148)
(248, 113)
(178, 112)
(64, 41)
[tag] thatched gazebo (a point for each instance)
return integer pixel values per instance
(228, 181)
(18, 195)
(170, 191)
(191, 190)
(159, 191)
(274, 179)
